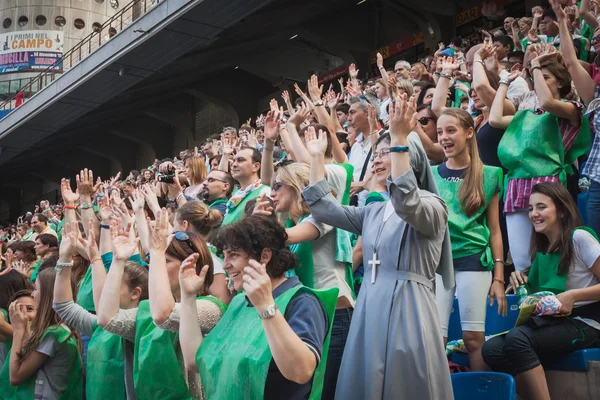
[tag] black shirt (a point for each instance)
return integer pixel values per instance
(488, 140)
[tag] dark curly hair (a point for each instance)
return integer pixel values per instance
(254, 234)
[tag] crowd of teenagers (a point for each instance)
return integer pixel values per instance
(316, 252)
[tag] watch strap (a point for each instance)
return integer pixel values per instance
(270, 312)
(399, 149)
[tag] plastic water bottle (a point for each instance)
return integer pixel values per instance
(522, 293)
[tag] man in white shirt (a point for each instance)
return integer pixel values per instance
(360, 151)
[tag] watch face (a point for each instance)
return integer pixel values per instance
(114, 4)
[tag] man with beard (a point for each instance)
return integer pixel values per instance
(216, 190)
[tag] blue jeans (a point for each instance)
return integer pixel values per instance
(339, 334)
(594, 207)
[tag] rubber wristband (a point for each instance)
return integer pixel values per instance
(68, 207)
(498, 280)
(399, 149)
(104, 226)
(536, 67)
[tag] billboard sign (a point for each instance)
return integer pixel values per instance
(30, 51)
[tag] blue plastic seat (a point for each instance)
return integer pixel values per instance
(483, 386)
(575, 361)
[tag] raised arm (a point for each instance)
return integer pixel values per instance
(137, 202)
(497, 119)
(123, 247)
(561, 109)
(585, 11)
(440, 96)
(323, 205)
(227, 145)
(85, 186)
(426, 213)
(293, 124)
(271, 134)
(190, 335)
(584, 83)
(381, 68)
(70, 199)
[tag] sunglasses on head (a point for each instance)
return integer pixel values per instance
(184, 237)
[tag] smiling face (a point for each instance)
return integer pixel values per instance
(30, 305)
(452, 136)
(429, 127)
(234, 262)
(37, 225)
(382, 162)
(543, 214)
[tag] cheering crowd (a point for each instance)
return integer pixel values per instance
(316, 252)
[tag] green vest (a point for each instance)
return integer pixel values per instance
(543, 274)
(532, 146)
(234, 358)
(105, 368)
(59, 229)
(235, 213)
(458, 94)
(26, 390)
(156, 369)
(349, 173)
(470, 234)
(36, 270)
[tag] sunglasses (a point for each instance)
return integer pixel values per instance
(424, 120)
(184, 237)
(277, 186)
(595, 40)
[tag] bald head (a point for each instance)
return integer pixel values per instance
(470, 56)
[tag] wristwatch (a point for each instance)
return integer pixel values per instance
(269, 312)
(85, 205)
(318, 103)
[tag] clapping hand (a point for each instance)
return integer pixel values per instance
(159, 232)
(189, 282)
(68, 244)
(272, 125)
(68, 196)
(316, 146)
(314, 89)
(403, 117)
(123, 246)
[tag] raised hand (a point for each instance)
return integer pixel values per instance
(227, 146)
(272, 125)
(21, 267)
(137, 202)
(115, 198)
(189, 282)
(314, 89)
(403, 117)
(105, 210)
(17, 314)
(151, 199)
(123, 246)
(68, 244)
(67, 193)
(303, 95)
(353, 89)
(379, 61)
(449, 65)
(85, 182)
(273, 105)
(90, 245)
(300, 115)
(262, 206)
(352, 71)
(372, 117)
(257, 285)
(333, 99)
(159, 232)
(315, 145)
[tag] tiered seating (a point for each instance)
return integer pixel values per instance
(483, 386)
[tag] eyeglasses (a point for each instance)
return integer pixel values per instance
(277, 186)
(595, 40)
(398, 71)
(424, 120)
(184, 237)
(381, 154)
(210, 179)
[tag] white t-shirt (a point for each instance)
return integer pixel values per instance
(328, 272)
(336, 178)
(358, 155)
(587, 251)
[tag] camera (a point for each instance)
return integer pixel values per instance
(170, 178)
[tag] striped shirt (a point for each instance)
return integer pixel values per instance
(518, 190)
(592, 166)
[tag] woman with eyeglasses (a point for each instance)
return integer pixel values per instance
(541, 142)
(194, 216)
(324, 255)
(158, 363)
(470, 190)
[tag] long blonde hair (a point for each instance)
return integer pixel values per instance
(196, 169)
(470, 193)
(297, 177)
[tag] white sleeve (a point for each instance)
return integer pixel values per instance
(321, 227)
(586, 247)
(336, 178)
(266, 191)
(517, 89)
(217, 265)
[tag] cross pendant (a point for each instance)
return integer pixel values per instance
(374, 264)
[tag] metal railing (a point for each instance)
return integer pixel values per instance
(79, 52)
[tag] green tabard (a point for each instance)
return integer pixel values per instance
(543, 274)
(532, 146)
(234, 358)
(26, 390)
(237, 212)
(470, 234)
(105, 367)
